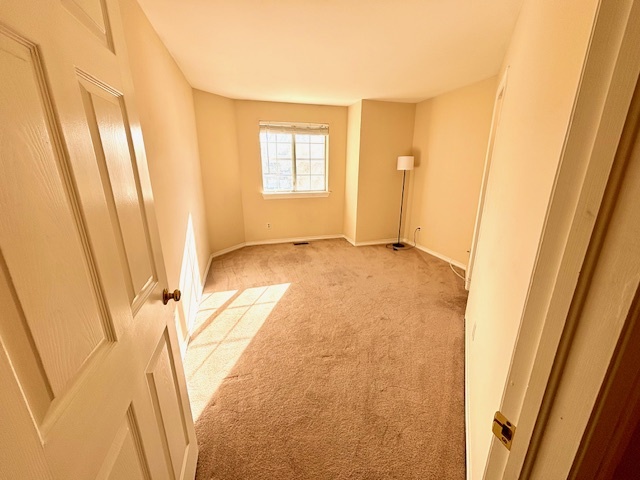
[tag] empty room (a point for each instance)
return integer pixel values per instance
(319, 240)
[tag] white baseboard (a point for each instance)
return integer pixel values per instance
(382, 241)
(350, 240)
(206, 274)
(211, 257)
(227, 250)
(291, 240)
(264, 242)
(424, 249)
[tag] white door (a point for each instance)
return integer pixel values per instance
(545, 342)
(91, 380)
(495, 123)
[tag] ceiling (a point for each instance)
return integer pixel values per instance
(334, 52)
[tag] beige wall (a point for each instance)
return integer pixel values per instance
(351, 175)
(449, 142)
(299, 217)
(386, 132)
(218, 143)
(545, 60)
(165, 106)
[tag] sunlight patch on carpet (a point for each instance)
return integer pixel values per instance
(209, 307)
(225, 325)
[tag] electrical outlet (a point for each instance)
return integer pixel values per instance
(268, 226)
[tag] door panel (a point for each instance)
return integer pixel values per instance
(21, 350)
(126, 459)
(55, 254)
(18, 445)
(164, 388)
(114, 152)
(93, 15)
(91, 375)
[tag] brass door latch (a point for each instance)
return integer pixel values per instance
(503, 429)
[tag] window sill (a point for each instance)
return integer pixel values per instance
(281, 195)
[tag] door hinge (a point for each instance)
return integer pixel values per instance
(503, 429)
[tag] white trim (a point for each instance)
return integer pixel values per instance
(204, 277)
(228, 250)
(295, 128)
(270, 242)
(450, 260)
(309, 239)
(191, 323)
(290, 240)
(583, 359)
(350, 240)
(291, 195)
(467, 280)
(383, 241)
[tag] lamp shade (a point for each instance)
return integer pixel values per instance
(405, 162)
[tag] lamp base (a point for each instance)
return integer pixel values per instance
(398, 245)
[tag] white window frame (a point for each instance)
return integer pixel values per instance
(294, 129)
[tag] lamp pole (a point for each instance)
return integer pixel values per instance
(398, 244)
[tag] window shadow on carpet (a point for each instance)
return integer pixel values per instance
(225, 325)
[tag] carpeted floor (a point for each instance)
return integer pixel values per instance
(327, 361)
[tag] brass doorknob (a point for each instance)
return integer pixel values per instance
(166, 295)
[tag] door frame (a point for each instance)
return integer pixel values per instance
(603, 303)
(607, 83)
(616, 413)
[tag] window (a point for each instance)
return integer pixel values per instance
(294, 157)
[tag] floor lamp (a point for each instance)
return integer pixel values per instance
(405, 163)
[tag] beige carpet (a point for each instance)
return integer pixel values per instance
(326, 361)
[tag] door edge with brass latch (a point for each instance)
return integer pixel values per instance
(503, 429)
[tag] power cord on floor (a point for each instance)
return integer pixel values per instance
(409, 247)
(454, 271)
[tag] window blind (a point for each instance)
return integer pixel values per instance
(295, 128)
